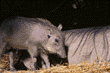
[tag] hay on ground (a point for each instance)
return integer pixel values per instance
(84, 67)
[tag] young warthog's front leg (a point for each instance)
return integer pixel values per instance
(33, 53)
(46, 60)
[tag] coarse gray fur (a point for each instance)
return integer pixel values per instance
(87, 44)
(31, 34)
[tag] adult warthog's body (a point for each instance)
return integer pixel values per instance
(87, 44)
(31, 34)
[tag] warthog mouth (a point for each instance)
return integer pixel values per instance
(46, 50)
(51, 50)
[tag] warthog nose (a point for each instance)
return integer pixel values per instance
(62, 54)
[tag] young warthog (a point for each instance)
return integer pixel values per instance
(31, 34)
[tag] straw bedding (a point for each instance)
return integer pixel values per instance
(84, 67)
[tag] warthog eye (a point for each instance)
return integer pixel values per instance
(56, 40)
(48, 36)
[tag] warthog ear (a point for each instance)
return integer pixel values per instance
(60, 26)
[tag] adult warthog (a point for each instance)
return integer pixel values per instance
(87, 44)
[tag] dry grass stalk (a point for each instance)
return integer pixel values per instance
(84, 67)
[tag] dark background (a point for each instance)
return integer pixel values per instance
(88, 12)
